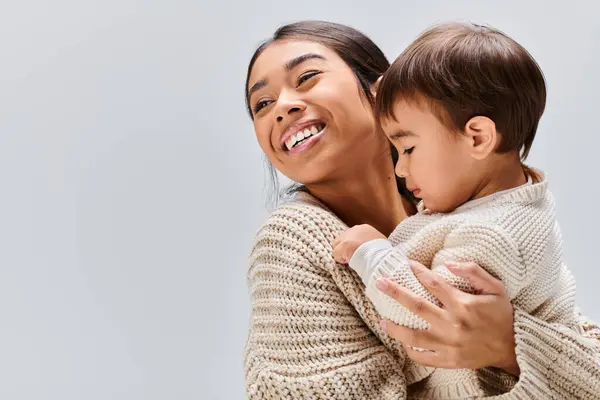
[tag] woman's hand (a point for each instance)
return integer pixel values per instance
(471, 330)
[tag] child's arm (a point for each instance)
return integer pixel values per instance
(372, 256)
(488, 246)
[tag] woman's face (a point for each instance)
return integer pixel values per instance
(310, 117)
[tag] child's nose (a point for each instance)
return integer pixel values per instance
(401, 169)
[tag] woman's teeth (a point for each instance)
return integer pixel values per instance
(296, 139)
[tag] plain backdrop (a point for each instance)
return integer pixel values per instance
(131, 183)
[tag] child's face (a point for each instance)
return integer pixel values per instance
(435, 161)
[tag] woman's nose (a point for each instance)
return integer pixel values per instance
(288, 105)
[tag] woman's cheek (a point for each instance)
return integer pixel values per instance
(263, 137)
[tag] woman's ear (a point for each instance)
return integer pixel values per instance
(482, 135)
(375, 86)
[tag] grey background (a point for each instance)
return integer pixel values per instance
(131, 183)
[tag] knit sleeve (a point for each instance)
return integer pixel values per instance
(556, 362)
(487, 245)
(306, 341)
(589, 328)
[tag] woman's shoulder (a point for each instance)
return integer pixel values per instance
(302, 228)
(296, 236)
(303, 215)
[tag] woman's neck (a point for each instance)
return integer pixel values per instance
(368, 195)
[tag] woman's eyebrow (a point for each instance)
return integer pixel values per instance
(293, 63)
(258, 85)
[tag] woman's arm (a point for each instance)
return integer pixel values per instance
(555, 361)
(306, 340)
(477, 331)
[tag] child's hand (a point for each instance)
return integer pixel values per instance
(346, 244)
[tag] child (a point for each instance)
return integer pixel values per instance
(461, 105)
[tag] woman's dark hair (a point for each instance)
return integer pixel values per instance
(366, 60)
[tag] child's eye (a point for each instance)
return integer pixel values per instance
(409, 150)
(303, 78)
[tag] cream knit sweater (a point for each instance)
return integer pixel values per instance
(513, 234)
(315, 335)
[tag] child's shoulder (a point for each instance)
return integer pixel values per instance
(520, 205)
(514, 216)
(492, 214)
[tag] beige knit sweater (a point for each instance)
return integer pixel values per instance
(513, 234)
(314, 334)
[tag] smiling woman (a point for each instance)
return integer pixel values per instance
(278, 98)
(313, 333)
(296, 137)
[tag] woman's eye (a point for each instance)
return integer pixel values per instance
(303, 78)
(260, 105)
(409, 150)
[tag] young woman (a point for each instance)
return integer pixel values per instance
(313, 333)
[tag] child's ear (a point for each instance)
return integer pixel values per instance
(482, 135)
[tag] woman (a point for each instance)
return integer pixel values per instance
(313, 333)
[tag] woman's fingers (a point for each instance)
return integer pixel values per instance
(412, 337)
(435, 284)
(480, 279)
(425, 357)
(416, 304)
(470, 331)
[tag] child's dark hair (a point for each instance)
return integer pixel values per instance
(465, 70)
(358, 51)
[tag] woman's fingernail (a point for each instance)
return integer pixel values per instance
(383, 323)
(451, 264)
(381, 284)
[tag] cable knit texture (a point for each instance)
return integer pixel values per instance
(514, 235)
(315, 335)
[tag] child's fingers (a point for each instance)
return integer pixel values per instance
(338, 254)
(336, 242)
